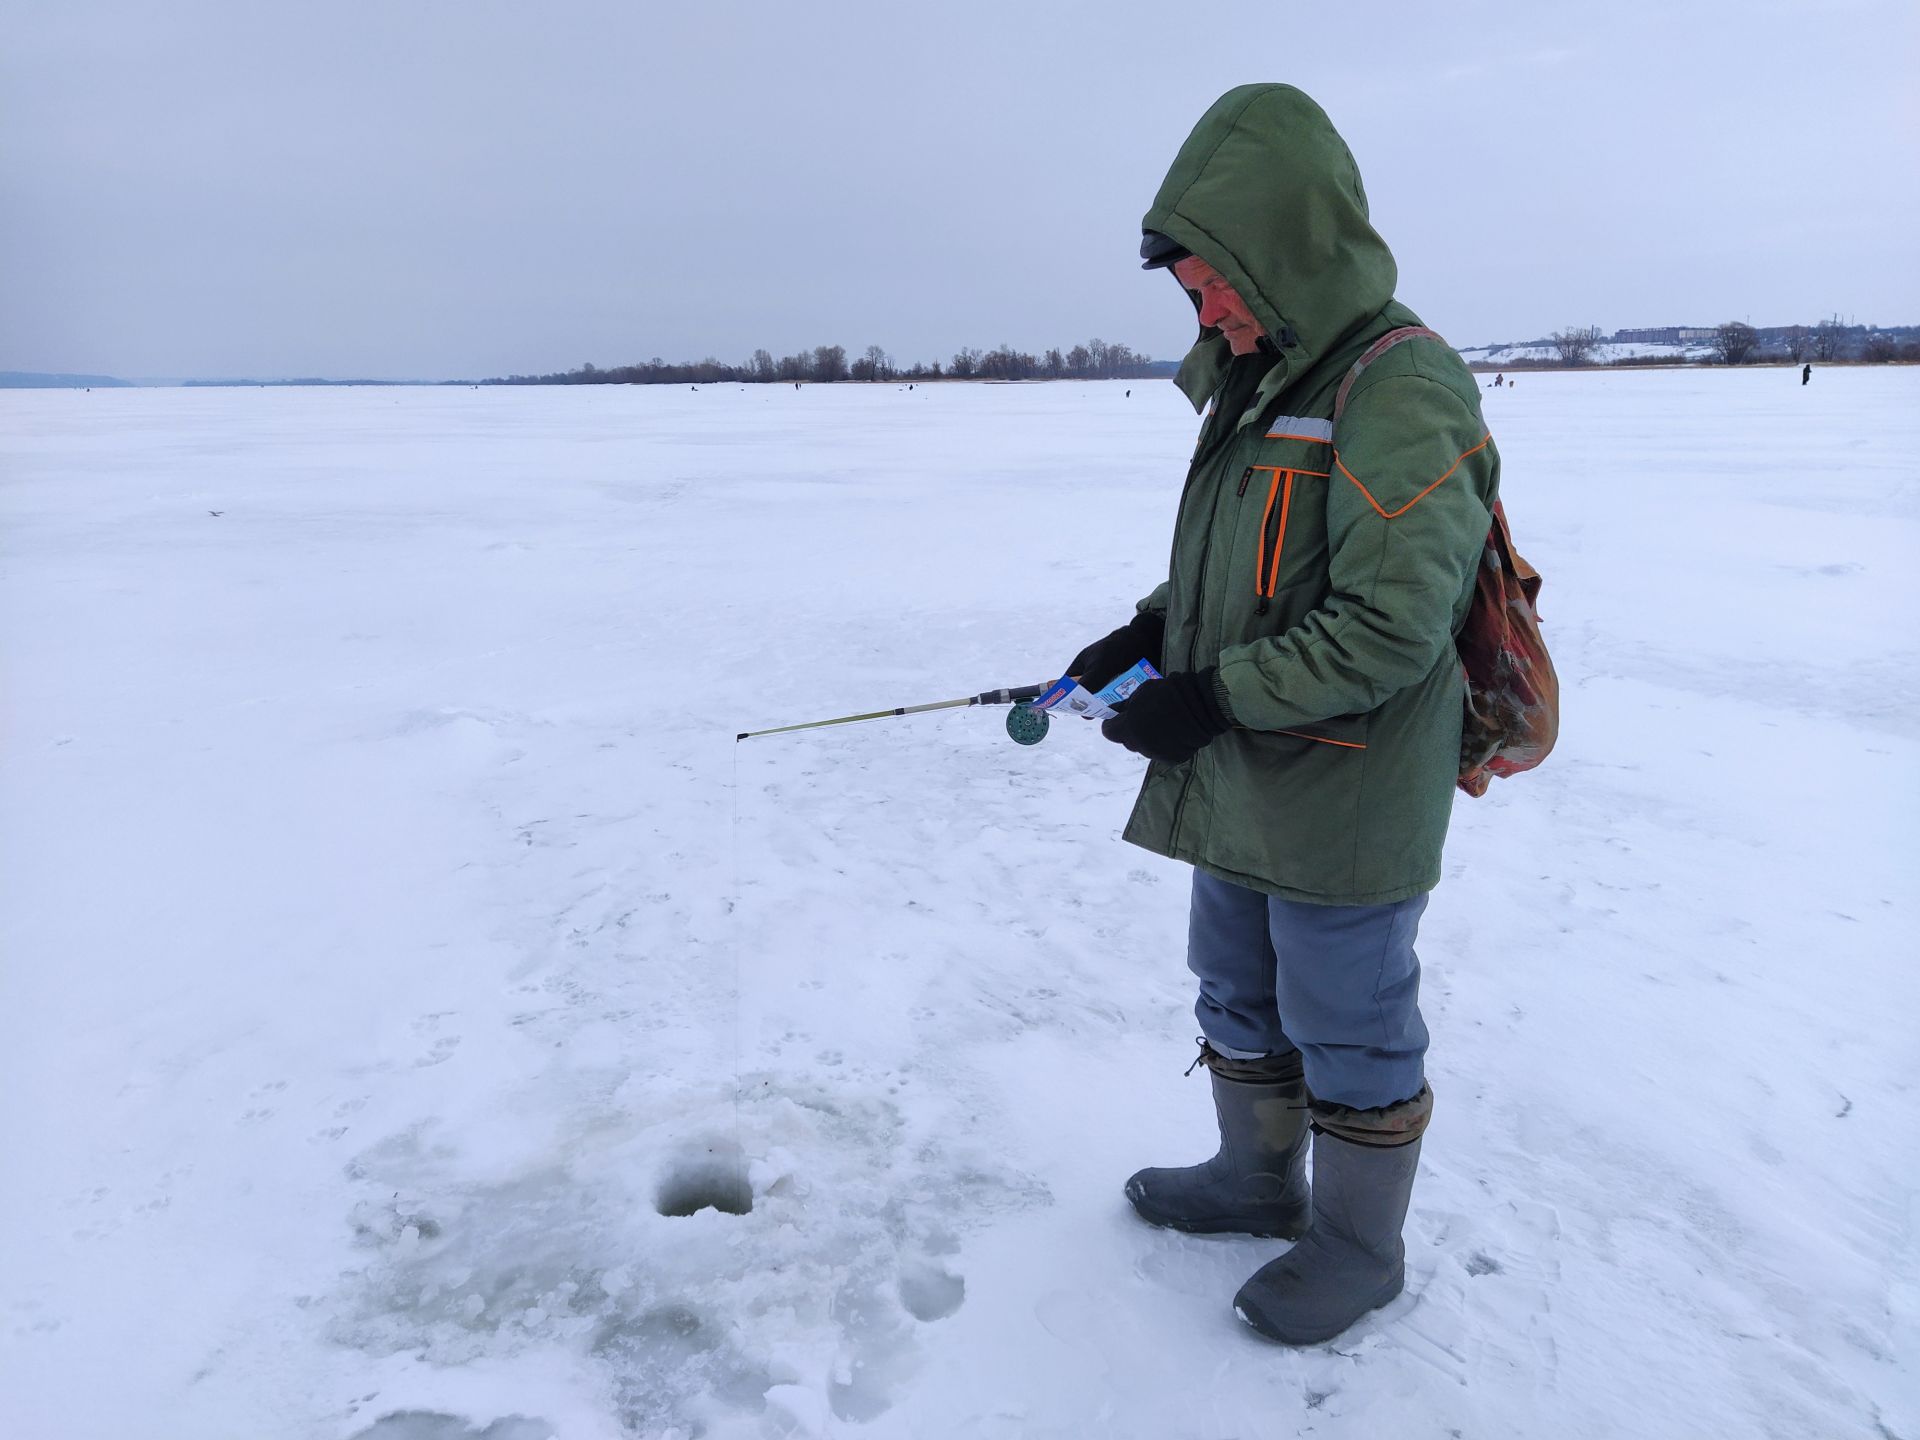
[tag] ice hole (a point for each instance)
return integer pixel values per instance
(715, 1180)
(930, 1293)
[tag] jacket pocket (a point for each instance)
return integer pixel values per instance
(1342, 732)
(1281, 483)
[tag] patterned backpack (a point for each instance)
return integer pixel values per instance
(1513, 697)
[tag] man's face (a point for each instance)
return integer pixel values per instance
(1221, 307)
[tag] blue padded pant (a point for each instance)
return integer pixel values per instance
(1339, 982)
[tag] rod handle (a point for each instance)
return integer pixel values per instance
(1018, 695)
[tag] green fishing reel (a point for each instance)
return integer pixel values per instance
(1027, 724)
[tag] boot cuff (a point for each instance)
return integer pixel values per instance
(1282, 1069)
(1386, 1125)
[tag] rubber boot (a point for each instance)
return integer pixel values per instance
(1352, 1259)
(1257, 1183)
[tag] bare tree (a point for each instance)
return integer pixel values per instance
(1828, 337)
(1577, 344)
(965, 362)
(1733, 342)
(1124, 361)
(1003, 362)
(761, 365)
(1798, 341)
(874, 365)
(1880, 347)
(829, 362)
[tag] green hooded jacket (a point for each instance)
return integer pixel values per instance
(1324, 570)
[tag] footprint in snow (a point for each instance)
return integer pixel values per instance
(1481, 1294)
(434, 1425)
(804, 1208)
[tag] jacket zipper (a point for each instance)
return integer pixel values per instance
(1193, 642)
(1200, 590)
(1206, 556)
(1200, 455)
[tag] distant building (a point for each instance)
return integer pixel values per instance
(1664, 335)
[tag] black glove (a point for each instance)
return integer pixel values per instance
(1171, 719)
(1141, 638)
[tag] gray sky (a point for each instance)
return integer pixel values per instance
(439, 188)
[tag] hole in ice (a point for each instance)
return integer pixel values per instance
(715, 1179)
(931, 1293)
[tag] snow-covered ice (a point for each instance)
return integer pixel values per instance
(396, 945)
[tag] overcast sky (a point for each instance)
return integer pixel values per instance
(440, 188)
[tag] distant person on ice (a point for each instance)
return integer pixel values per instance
(1305, 740)
(1806, 373)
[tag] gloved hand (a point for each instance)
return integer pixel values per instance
(1141, 638)
(1171, 719)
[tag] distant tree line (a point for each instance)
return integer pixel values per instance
(1734, 343)
(827, 364)
(1737, 343)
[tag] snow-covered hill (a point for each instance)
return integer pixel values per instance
(1606, 354)
(393, 939)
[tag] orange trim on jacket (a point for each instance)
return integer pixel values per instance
(1322, 739)
(1266, 569)
(1280, 539)
(1260, 555)
(1386, 514)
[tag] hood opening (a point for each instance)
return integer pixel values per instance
(1266, 192)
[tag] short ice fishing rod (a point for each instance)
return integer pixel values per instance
(1024, 723)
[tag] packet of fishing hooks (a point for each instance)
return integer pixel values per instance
(1067, 696)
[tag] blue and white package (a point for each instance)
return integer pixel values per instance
(1121, 687)
(1068, 696)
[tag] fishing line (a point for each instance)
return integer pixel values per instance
(733, 947)
(1026, 724)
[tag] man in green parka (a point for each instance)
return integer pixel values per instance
(1305, 741)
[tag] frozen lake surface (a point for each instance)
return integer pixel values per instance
(393, 938)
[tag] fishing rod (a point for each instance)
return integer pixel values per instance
(1025, 724)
